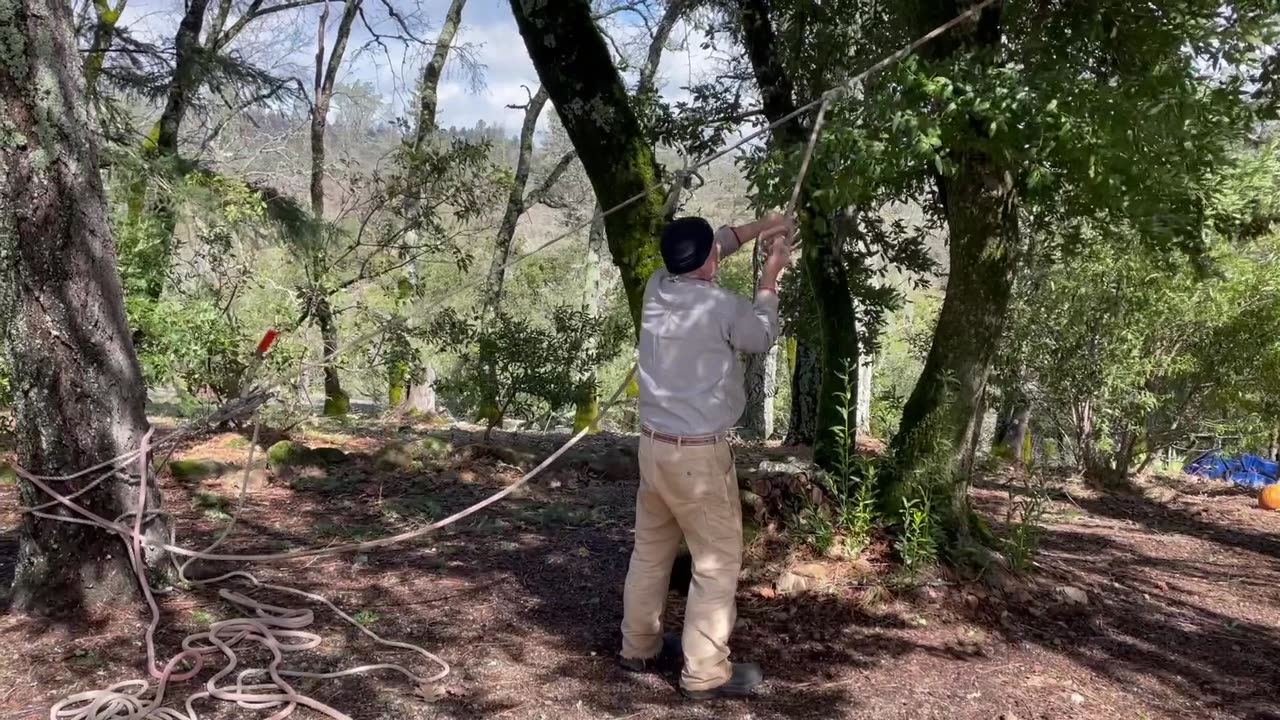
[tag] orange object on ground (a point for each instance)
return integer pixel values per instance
(1269, 498)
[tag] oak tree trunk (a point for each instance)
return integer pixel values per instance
(336, 401)
(574, 65)
(78, 390)
(822, 263)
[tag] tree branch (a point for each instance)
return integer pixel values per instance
(538, 195)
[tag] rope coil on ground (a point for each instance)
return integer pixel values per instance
(281, 630)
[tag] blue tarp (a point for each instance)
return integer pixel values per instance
(1246, 470)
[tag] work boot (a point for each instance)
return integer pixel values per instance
(669, 655)
(745, 679)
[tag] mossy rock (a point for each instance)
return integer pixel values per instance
(7, 475)
(338, 405)
(435, 448)
(287, 453)
(327, 456)
(195, 470)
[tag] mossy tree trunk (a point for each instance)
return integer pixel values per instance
(154, 218)
(821, 260)
(78, 390)
(106, 17)
(980, 201)
(336, 401)
(806, 379)
(575, 67)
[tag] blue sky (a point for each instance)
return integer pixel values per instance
(488, 30)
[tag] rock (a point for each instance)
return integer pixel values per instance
(1072, 594)
(1077, 699)
(327, 456)
(802, 578)
(790, 583)
(287, 453)
(435, 448)
(195, 470)
(770, 467)
(511, 424)
(817, 571)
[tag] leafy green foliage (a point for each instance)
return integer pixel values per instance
(1128, 351)
(918, 539)
(850, 516)
(534, 368)
(1026, 507)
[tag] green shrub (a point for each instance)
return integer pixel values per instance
(532, 369)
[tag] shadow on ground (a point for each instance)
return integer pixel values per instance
(524, 599)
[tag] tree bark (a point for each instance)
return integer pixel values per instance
(77, 386)
(516, 204)
(822, 263)
(336, 401)
(587, 410)
(862, 413)
(429, 88)
(574, 65)
(980, 202)
(761, 375)
(806, 378)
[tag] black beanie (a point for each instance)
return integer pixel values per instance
(686, 243)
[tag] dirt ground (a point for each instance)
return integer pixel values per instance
(1180, 619)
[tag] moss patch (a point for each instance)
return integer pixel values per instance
(337, 405)
(195, 470)
(287, 453)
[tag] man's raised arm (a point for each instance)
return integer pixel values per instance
(731, 238)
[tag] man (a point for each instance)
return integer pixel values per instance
(691, 393)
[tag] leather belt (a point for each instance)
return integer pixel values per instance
(680, 440)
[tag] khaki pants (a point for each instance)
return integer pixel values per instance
(690, 492)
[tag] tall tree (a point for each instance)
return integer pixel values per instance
(336, 400)
(77, 386)
(979, 198)
(646, 92)
(1026, 116)
(824, 266)
(574, 64)
(405, 370)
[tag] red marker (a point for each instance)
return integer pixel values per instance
(267, 341)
